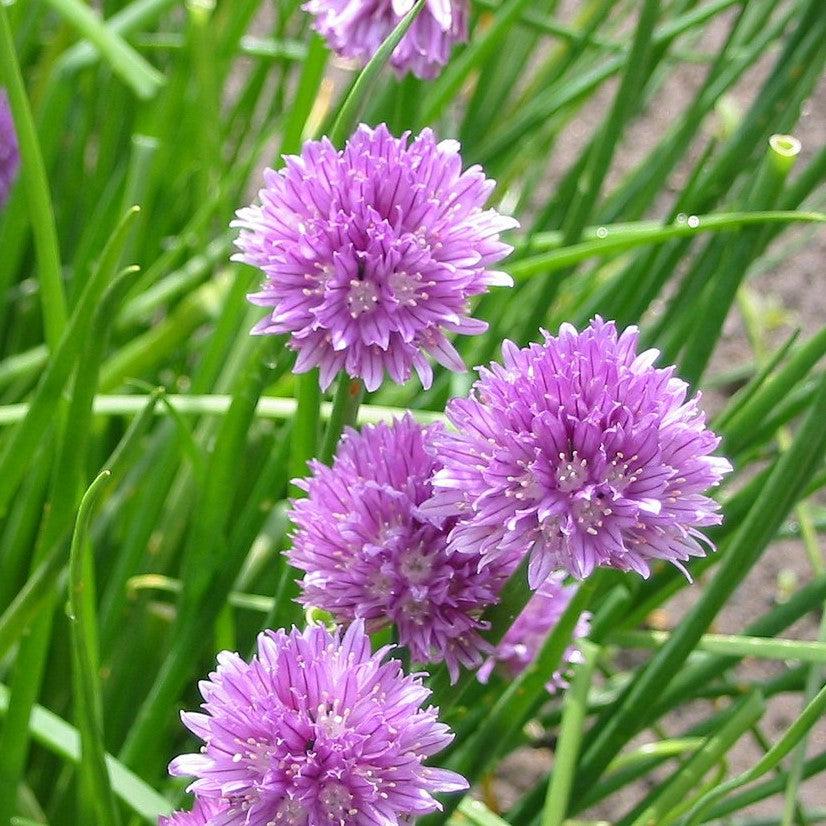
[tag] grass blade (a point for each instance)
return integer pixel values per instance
(59, 737)
(477, 813)
(479, 50)
(808, 717)
(812, 767)
(205, 578)
(137, 15)
(694, 676)
(344, 411)
(65, 488)
(311, 74)
(348, 114)
(687, 779)
(307, 407)
(747, 393)
(741, 426)
(790, 475)
(620, 241)
(19, 449)
(269, 407)
(133, 69)
(514, 705)
(26, 603)
(600, 156)
(738, 254)
(731, 645)
(570, 736)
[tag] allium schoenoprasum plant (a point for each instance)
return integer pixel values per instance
(511, 511)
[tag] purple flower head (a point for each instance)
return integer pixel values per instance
(582, 453)
(356, 29)
(525, 637)
(315, 730)
(367, 553)
(202, 811)
(371, 254)
(9, 153)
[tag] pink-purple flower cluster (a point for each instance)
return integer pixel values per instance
(9, 152)
(525, 637)
(356, 29)
(314, 730)
(581, 453)
(577, 452)
(367, 553)
(372, 253)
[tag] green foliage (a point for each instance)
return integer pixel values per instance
(124, 345)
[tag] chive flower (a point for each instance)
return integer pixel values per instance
(367, 553)
(204, 813)
(9, 152)
(581, 453)
(371, 254)
(356, 29)
(315, 730)
(523, 640)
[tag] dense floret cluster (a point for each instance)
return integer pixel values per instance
(581, 453)
(356, 29)
(314, 730)
(372, 253)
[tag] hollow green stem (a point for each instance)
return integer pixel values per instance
(343, 414)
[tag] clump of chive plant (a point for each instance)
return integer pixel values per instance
(187, 527)
(371, 254)
(315, 729)
(581, 453)
(356, 29)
